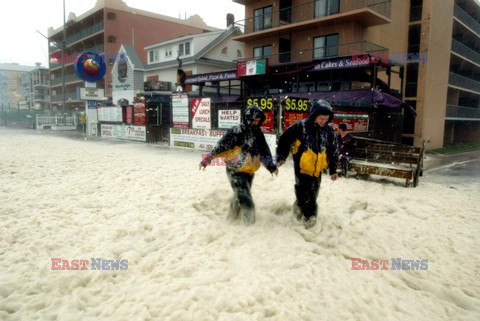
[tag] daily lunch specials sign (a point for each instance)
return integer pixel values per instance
(201, 113)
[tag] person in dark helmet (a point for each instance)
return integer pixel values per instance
(346, 147)
(314, 148)
(243, 149)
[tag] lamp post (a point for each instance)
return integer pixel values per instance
(64, 45)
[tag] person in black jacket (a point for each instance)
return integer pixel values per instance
(346, 147)
(243, 149)
(314, 148)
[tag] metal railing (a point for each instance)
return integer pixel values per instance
(464, 82)
(33, 118)
(465, 51)
(68, 78)
(41, 98)
(42, 121)
(72, 96)
(348, 49)
(85, 33)
(306, 11)
(462, 112)
(464, 17)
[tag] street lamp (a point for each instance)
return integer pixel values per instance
(63, 47)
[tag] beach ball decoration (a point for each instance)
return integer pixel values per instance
(90, 67)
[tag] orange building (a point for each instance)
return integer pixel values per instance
(437, 46)
(103, 29)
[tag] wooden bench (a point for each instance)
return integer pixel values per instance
(389, 160)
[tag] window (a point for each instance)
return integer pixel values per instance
(411, 80)
(326, 7)
(112, 39)
(180, 49)
(263, 18)
(153, 56)
(168, 52)
(416, 10)
(409, 119)
(184, 49)
(111, 16)
(239, 53)
(262, 52)
(414, 38)
(325, 46)
(225, 51)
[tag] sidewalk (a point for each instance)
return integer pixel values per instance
(433, 161)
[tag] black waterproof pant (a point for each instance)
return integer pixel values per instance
(345, 163)
(306, 190)
(241, 184)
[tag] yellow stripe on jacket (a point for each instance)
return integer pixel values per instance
(249, 165)
(311, 163)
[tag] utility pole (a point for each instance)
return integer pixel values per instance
(64, 47)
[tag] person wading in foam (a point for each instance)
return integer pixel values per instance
(314, 148)
(244, 149)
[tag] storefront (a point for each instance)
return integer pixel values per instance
(357, 88)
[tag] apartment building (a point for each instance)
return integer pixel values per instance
(12, 90)
(103, 29)
(36, 89)
(435, 43)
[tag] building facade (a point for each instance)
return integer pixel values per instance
(36, 89)
(438, 45)
(127, 76)
(103, 29)
(12, 88)
(201, 53)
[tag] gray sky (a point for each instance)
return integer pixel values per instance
(19, 20)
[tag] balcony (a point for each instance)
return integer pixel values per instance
(459, 113)
(68, 96)
(87, 32)
(41, 98)
(68, 79)
(307, 16)
(464, 82)
(466, 19)
(304, 55)
(466, 52)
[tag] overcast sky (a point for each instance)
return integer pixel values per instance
(19, 20)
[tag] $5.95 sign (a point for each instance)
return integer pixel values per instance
(264, 103)
(297, 104)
